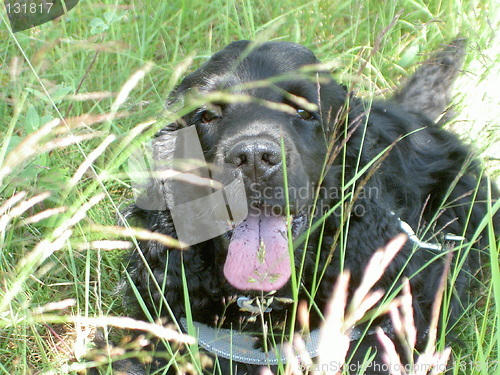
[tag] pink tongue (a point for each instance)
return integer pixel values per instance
(258, 257)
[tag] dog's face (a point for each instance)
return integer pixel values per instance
(263, 112)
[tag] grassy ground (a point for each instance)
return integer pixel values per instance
(62, 182)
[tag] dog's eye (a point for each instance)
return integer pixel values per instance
(209, 113)
(208, 116)
(305, 115)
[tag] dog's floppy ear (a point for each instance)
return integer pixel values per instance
(428, 91)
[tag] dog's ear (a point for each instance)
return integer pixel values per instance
(428, 90)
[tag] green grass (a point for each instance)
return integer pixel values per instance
(52, 71)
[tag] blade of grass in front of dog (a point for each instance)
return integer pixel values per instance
(295, 286)
(495, 271)
(345, 210)
(480, 362)
(193, 348)
(288, 221)
(484, 331)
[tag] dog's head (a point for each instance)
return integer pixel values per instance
(263, 114)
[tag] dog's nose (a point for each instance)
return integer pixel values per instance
(257, 159)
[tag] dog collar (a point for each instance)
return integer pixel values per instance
(239, 346)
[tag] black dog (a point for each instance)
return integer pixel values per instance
(269, 116)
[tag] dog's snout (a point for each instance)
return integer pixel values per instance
(256, 159)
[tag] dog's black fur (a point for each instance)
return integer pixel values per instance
(428, 178)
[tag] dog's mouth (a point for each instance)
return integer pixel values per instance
(258, 255)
